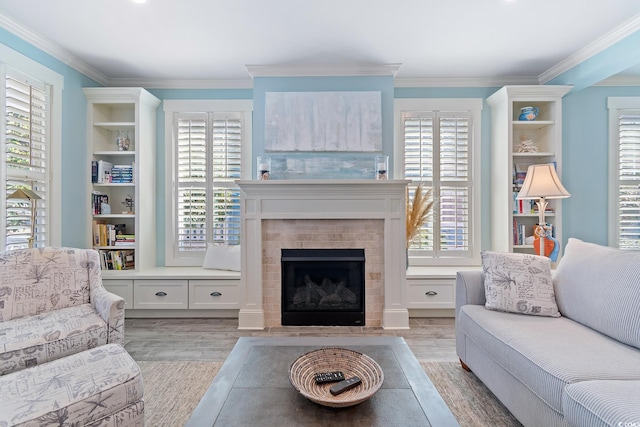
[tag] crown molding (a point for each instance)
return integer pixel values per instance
(604, 42)
(322, 70)
(464, 81)
(51, 48)
(183, 84)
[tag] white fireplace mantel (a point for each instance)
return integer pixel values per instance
(324, 199)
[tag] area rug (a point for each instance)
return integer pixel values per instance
(172, 390)
(467, 397)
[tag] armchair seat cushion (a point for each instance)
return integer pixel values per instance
(100, 387)
(33, 340)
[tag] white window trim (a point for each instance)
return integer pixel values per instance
(474, 107)
(197, 105)
(11, 59)
(615, 105)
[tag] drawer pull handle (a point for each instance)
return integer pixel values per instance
(431, 293)
(215, 294)
(161, 294)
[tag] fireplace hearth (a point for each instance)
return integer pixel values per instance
(323, 287)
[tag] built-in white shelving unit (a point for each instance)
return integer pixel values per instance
(131, 112)
(508, 132)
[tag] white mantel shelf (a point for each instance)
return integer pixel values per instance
(324, 199)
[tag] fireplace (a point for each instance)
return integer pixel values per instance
(323, 287)
(324, 214)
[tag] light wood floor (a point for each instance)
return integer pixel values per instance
(430, 339)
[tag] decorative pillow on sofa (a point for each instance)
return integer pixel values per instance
(222, 257)
(519, 283)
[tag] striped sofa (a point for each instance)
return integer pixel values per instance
(53, 304)
(580, 369)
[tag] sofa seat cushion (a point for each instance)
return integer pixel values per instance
(547, 353)
(32, 340)
(602, 403)
(75, 390)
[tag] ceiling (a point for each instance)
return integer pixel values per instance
(170, 40)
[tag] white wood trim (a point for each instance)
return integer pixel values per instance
(615, 104)
(51, 48)
(15, 60)
(170, 107)
(473, 106)
(323, 199)
(602, 43)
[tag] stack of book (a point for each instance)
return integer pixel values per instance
(122, 174)
(125, 240)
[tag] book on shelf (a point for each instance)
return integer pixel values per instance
(117, 259)
(97, 201)
(125, 239)
(104, 171)
(122, 174)
(105, 234)
(521, 231)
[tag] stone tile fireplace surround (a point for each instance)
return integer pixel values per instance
(323, 214)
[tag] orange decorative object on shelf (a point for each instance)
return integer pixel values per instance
(551, 248)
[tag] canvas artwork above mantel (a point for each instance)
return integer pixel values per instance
(323, 121)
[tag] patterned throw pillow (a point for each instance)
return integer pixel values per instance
(519, 283)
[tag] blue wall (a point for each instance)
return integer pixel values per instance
(585, 137)
(585, 161)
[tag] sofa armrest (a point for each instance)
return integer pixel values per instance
(469, 289)
(110, 308)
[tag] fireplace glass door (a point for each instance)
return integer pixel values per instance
(323, 287)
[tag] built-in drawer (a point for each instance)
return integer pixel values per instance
(161, 294)
(219, 294)
(425, 293)
(121, 287)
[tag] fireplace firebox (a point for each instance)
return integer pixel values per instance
(323, 287)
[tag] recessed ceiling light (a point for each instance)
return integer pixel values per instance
(140, 1)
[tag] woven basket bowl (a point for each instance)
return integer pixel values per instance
(302, 376)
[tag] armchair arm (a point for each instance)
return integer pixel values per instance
(110, 308)
(469, 289)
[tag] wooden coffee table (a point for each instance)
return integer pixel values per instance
(253, 388)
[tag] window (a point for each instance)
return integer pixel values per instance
(30, 96)
(437, 143)
(624, 173)
(210, 148)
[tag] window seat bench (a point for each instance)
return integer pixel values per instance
(176, 292)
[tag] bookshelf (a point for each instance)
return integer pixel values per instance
(511, 153)
(121, 135)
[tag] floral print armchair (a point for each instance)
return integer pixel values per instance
(53, 304)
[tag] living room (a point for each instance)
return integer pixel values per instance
(599, 70)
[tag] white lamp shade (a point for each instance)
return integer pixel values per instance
(542, 181)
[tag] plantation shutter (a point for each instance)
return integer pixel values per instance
(208, 163)
(27, 106)
(437, 147)
(226, 153)
(629, 182)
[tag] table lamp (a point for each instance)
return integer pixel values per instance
(542, 183)
(24, 194)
